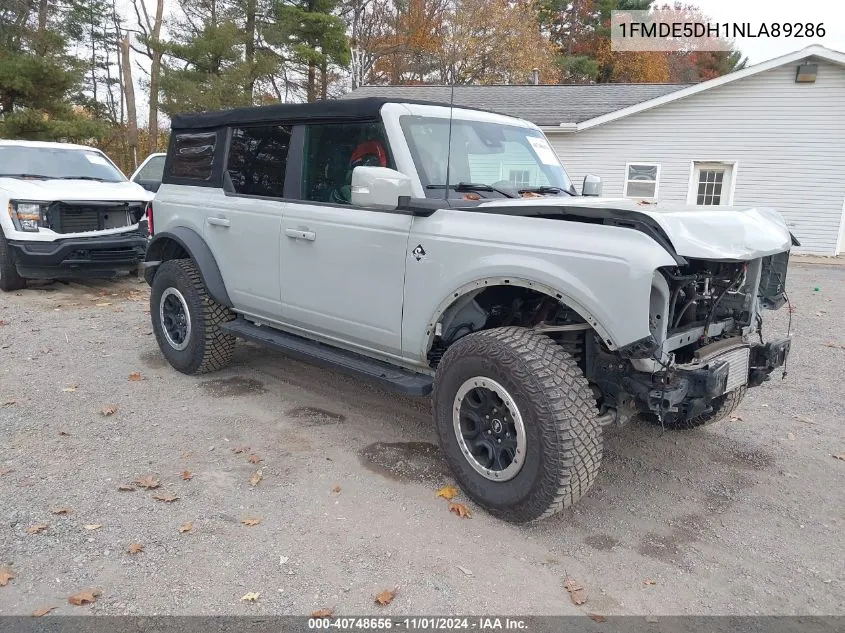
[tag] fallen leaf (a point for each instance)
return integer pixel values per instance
(187, 475)
(186, 454)
(35, 529)
(790, 436)
(256, 477)
(135, 376)
(448, 492)
(109, 409)
(3, 323)
(649, 581)
(105, 304)
(336, 489)
(254, 459)
(5, 577)
(42, 611)
(126, 488)
(251, 522)
(149, 482)
(322, 613)
(9, 403)
(252, 596)
(186, 527)
(5, 471)
(163, 496)
(70, 389)
(84, 597)
(93, 526)
(64, 433)
(834, 345)
(135, 548)
(839, 456)
(736, 418)
(240, 449)
(61, 510)
(595, 617)
(460, 509)
(576, 591)
(386, 596)
(467, 572)
(803, 419)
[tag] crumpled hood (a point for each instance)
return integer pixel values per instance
(52, 190)
(732, 233)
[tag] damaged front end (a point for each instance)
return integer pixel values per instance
(706, 340)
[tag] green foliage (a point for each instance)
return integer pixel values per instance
(39, 81)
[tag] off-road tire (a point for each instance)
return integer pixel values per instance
(208, 348)
(563, 436)
(9, 278)
(723, 406)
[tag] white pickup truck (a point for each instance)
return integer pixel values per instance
(71, 213)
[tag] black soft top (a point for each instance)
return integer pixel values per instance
(321, 111)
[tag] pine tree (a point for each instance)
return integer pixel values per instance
(40, 83)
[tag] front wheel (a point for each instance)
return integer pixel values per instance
(186, 320)
(9, 278)
(517, 422)
(723, 406)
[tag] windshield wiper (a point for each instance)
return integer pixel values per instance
(474, 186)
(545, 189)
(83, 178)
(42, 176)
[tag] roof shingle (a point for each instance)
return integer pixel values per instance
(547, 105)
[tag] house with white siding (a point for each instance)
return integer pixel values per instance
(771, 135)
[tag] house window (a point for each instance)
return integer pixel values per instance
(520, 178)
(711, 184)
(641, 180)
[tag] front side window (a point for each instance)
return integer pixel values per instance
(258, 159)
(641, 180)
(483, 153)
(193, 155)
(153, 169)
(48, 163)
(332, 151)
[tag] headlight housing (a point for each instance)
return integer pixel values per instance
(27, 216)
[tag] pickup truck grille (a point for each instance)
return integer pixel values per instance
(81, 218)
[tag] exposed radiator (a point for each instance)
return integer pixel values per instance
(738, 366)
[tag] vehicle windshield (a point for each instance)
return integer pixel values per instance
(49, 162)
(506, 159)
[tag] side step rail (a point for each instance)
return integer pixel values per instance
(398, 380)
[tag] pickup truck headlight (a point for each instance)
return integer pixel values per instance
(27, 216)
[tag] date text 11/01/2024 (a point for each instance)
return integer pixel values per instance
(480, 623)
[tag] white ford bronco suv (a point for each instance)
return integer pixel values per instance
(68, 211)
(445, 250)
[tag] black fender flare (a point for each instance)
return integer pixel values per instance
(192, 243)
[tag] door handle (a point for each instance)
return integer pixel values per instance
(301, 235)
(219, 222)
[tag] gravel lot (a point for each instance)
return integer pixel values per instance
(742, 518)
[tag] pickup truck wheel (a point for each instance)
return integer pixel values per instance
(723, 406)
(517, 422)
(186, 321)
(9, 278)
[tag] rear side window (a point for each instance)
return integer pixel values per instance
(258, 159)
(193, 155)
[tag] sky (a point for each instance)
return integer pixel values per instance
(829, 12)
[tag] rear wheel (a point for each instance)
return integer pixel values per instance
(723, 406)
(517, 422)
(9, 278)
(186, 320)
